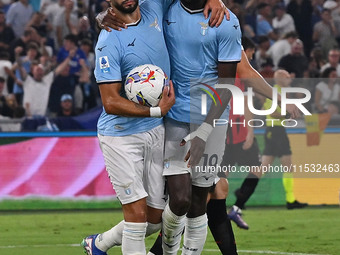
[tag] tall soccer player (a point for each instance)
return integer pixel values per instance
(131, 135)
(199, 55)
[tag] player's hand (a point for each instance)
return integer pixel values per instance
(249, 141)
(218, 10)
(292, 111)
(195, 152)
(108, 19)
(168, 98)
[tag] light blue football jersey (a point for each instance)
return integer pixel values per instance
(195, 50)
(118, 52)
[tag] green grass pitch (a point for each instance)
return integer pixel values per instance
(272, 231)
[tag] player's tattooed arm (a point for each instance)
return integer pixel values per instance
(108, 19)
(218, 11)
(115, 104)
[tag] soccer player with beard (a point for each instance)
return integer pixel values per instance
(131, 135)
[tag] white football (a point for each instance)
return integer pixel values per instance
(144, 84)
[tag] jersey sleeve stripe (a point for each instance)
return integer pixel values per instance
(231, 60)
(108, 81)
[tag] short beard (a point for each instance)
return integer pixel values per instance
(128, 10)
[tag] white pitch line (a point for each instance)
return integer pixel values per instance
(267, 252)
(208, 250)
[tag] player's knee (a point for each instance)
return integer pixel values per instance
(140, 215)
(135, 212)
(180, 203)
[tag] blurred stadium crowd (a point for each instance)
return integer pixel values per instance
(52, 42)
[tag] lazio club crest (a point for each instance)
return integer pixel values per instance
(127, 191)
(156, 25)
(204, 28)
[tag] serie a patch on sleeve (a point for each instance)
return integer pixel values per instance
(104, 64)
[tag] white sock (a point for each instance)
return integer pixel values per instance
(110, 238)
(195, 235)
(114, 236)
(133, 238)
(173, 226)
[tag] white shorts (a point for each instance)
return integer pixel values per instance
(204, 174)
(135, 165)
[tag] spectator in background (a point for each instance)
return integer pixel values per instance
(24, 62)
(334, 7)
(261, 52)
(5, 4)
(73, 52)
(5, 69)
(283, 22)
(296, 62)
(66, 106)
(85, 31)
(41, 24)
(267, 70)
(6, 33)
(90, 92)
(263, 26)
(317, 9)
(88, 98)
(18, 15)
(62, 84)
(102, 5)
(325, 32)
(37, 84)
(247, 30)
(74, 55)
(52, 11)
(327, 90)
(30, 35)
(87, 47)
(5, 109)
(81, 7)
(333, 61)
(282, 47)
(301, 11)
(8, 104)
(35, 5)
(316, 62)
(66, 22)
